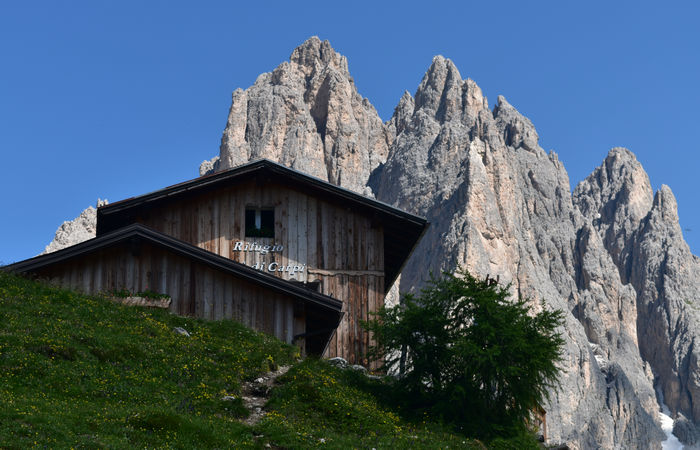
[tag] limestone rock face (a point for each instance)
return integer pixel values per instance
(77, 230)
(641, 230)
(667, 279)
(616, 197)
(308, 115)
(499, 205)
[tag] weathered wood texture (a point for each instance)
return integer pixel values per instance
(195, 288)
(340, 247)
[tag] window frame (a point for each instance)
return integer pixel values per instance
(262, 224)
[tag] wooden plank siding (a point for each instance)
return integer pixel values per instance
(195, 288)
(343, 249)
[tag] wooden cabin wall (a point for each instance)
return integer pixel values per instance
(316, 232)
(341, 248)
(195, 288)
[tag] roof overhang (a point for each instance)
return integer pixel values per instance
(331, 307)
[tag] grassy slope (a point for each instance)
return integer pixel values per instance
(342, 409)
(77, 370)
(80, 371)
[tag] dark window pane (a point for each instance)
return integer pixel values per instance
(267, 223)
(250, 230)
(260, 223)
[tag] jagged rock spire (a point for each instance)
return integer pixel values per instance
(616, 197)
(499, 205)
(443, 94)
(308, 115)
(315, 55)
(640, 230)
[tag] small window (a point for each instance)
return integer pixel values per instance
(260, 222)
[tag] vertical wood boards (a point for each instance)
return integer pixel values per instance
(248, 197)
(227, 312)
(219, 296)
(289, 321)
(209, 294)
(162, 267)
(291, 245)
(362, 296)
(199, 224)
(299, 323)
(129, 271)
(260, 304)
(98, 282)
(324, 253)
(302, 236)
(215, 222)
(311, 234)
(86, 278)
(223, 236)
(238, 215)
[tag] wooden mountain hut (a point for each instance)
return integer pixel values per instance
(276, 249)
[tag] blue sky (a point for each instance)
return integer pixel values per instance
(113, 99)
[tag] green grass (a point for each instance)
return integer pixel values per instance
(318, 405)
(84, 372)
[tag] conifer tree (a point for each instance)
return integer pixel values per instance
(466, 351)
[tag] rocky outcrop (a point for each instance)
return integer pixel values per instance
(611, 255)
(616, 197)
(667, 279)
(640, 230)
(77, 230)
(499, 205)
(308, 115)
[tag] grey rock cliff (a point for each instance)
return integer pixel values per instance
(640, 230)
(308, 115)
(616, 197)
(77, 230)
(499, 205)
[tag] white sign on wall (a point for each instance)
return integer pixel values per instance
(291, 269)
(264, 249)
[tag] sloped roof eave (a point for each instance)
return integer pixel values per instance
(184, 249)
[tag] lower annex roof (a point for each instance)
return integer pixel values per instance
(137, 231)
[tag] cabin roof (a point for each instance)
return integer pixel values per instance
(402, 230)
(330, 307)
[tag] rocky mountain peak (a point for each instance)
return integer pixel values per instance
(665, 206)
(444, 95)
(666, 277)
(402, 114)
(615, 197)
(308, 115)
(516, 129)
(441, 75)
(621, 178)
(74, 231)
(314, 55)
(641, 233)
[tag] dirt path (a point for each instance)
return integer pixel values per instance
(255, 394)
